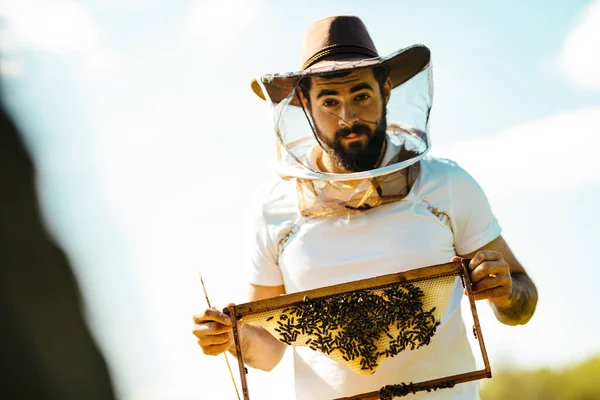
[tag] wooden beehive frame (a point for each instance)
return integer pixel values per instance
(459, 268)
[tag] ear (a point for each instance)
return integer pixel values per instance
(387, 89)
(303, 99)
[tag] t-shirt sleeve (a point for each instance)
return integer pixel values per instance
(261, 250)
(473, 223)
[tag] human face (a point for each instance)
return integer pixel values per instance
(350, 120)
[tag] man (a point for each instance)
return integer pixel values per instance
(364, 201)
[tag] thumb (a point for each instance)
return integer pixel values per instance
(240, 321)
(456, 258)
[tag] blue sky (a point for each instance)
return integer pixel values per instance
(150, 144)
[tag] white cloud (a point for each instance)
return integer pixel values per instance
(10, 67)
(100, 62)
(59, 26)
(555, 152)
(215, 25)
(580, 53)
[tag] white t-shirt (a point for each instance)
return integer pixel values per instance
(307, 253)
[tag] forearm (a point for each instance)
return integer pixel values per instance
(521, 303)
(260, 349)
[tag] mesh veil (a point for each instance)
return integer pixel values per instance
(326, 193)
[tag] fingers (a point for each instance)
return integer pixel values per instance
(489, 269)
(487, 263)
(210, 314)
(501, 281)
(497, 293)
(215, 349)
(210, 329)
(490, 276)
(211, 340)
(496, 288)
(213, 330)
(484, 255)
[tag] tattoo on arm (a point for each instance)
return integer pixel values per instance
(523, 301)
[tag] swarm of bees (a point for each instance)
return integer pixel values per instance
(403, 389)
(355, 323)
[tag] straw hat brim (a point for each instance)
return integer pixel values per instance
(402, 65)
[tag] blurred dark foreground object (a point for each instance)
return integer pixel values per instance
(46, 349)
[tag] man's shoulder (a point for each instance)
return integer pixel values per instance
(278, 192)
(441, 168)
(448, 174)
(276, 201)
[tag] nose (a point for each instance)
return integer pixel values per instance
(347, 117)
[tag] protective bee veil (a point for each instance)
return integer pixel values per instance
(401, 130)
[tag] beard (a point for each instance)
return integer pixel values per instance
(358, 156)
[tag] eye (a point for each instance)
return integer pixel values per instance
(362, 97)
(330, 103)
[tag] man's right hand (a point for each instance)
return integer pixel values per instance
(261, 350)
(213, 330)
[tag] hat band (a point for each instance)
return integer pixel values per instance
(336, 48)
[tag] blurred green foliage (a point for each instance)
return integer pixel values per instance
(578, 382)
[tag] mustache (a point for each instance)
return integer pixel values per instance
(356, 128)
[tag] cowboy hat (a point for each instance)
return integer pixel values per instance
(338, 44)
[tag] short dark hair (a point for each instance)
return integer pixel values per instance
(380, 73)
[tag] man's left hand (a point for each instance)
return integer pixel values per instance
(497, 275)
(490, 277)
